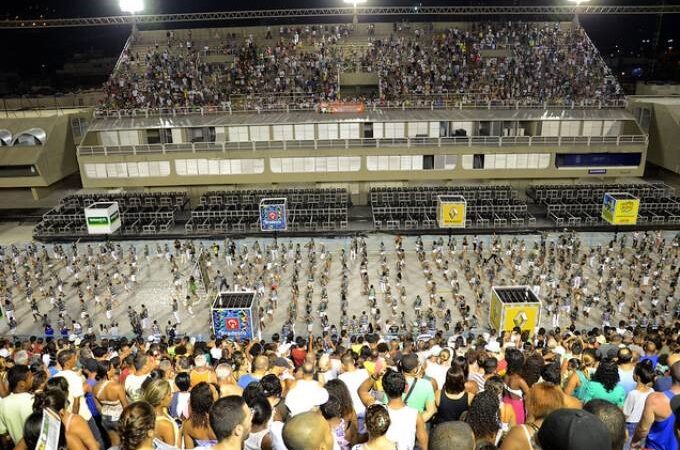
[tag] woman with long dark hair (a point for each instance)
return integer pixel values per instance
(604, 384)
(452, 400)
(111, 398)
(76, 430)
(196, 430)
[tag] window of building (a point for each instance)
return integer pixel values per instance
(349, 131)
(238, 134)
(259, 133)
(323, 164)
(550, 128)
(394, 130)
(478, 161)
(328, 130)
(18, 171)
(381, 163)
(79, 126)
(158, 136)
(283, 132)
(199, 167)
(201, 134)
(304, 132)
(583, 160)
(418, 129)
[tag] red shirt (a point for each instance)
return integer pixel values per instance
(298, 355)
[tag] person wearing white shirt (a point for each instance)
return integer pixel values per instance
(353, 377)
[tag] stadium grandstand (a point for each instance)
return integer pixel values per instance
(355, 106)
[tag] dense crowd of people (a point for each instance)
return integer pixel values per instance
(536, 63)
(426, 380)
(571, 388)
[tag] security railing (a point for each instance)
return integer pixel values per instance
(470, 141)
(262, 104)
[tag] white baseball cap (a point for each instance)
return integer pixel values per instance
(302, 399)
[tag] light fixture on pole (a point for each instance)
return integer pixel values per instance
(132, 7)
(354, 3)
(578, 3)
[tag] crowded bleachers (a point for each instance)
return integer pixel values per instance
(410, 208)
(308, 210)
(581, 205)
(512, 63)
(140, 213)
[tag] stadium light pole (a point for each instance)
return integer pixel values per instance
(132, 7)
(578, 3)
(354, 3)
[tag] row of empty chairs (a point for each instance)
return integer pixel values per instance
(413, 208)
(238, 211)
(581, 205)
(151, 213)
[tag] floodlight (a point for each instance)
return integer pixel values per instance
(355, 2)
(578, 2)
(131, 6)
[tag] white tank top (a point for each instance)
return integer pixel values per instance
(254, 441)
(402, 430)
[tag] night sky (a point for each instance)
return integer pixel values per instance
(36, 55)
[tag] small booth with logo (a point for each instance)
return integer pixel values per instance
(235, 315)
(514, 306)
(102, 218)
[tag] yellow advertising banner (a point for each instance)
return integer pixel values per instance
(452, 215)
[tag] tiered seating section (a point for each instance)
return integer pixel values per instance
(528, 63)
(140, 213)
(411, 208)
(238, 211)
(581, 205)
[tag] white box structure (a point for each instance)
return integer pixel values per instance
(102, 218)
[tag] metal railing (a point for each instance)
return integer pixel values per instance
(445, 103)
(471, 141)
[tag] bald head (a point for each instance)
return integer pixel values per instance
(448, 435)
(261, 364)
(308, 431)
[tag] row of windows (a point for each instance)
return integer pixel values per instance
(382, 163)
(365, 130)
(193, 167)
(128, 170)
(316, 165)
(374, 163)
(507, 161)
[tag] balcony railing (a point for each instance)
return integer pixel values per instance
(258, 104)
(471, 141)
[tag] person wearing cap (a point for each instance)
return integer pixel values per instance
(573, 429)
(658, 418)
(304, 398)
